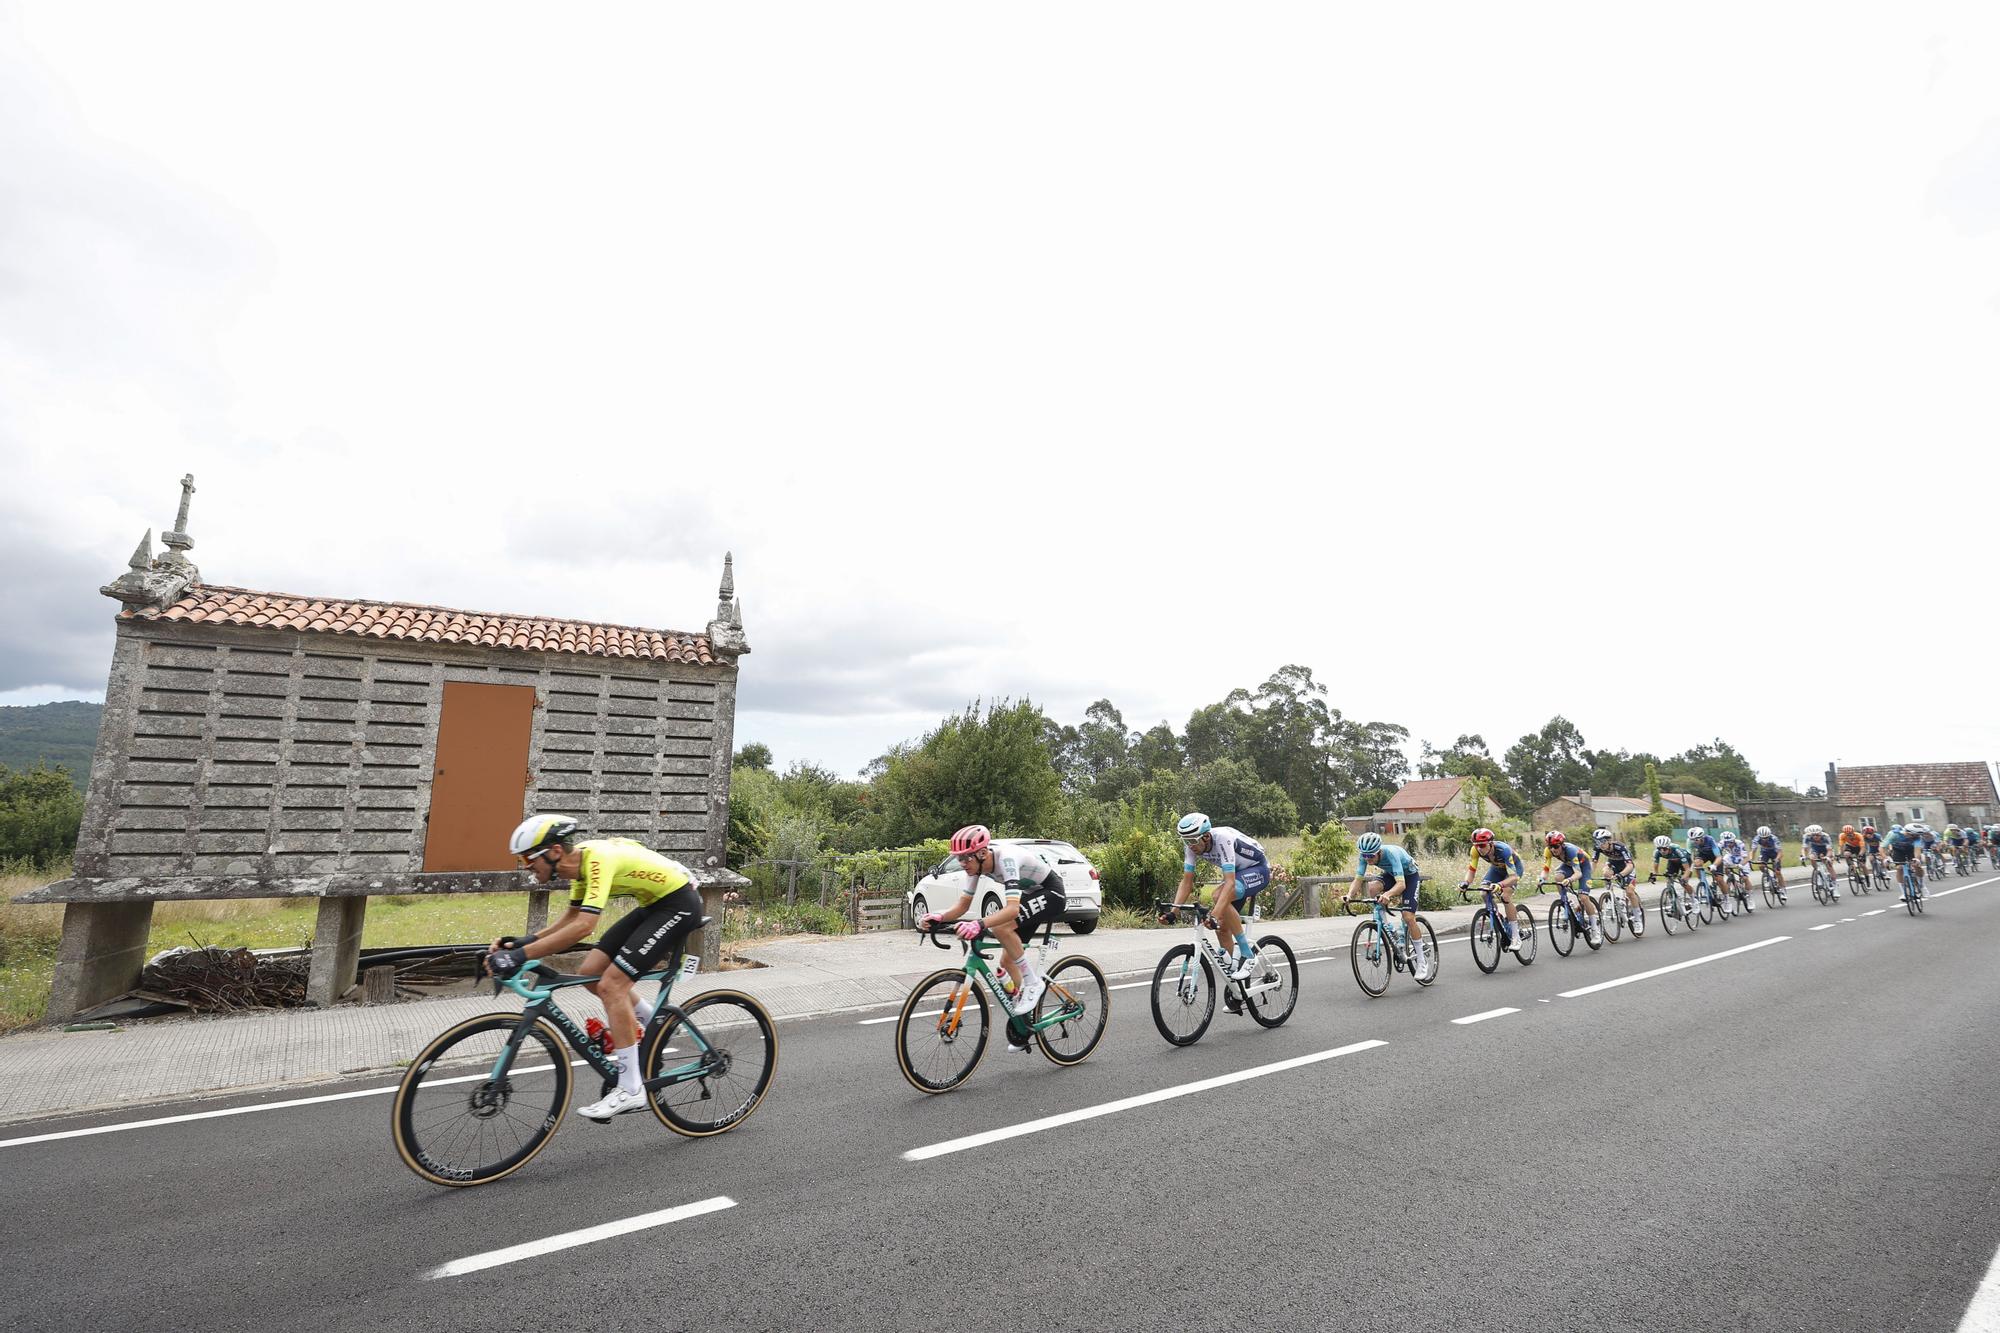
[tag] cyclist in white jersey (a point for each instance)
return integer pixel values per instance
(1245, 870)
(1034, 898)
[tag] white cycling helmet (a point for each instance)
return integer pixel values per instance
(1728, 839)
(538, 831)
(1813, 830)
(1663, 842)
(1763, 830)
(1368, 844)
(1193, 826)
(1600, 835)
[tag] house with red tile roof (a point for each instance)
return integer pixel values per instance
(1414, 802)
(1960, 792)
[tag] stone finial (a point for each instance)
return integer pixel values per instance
(142, 554)
(144, 583)
(174, 559)
(725, 632)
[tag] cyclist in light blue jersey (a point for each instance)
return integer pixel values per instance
(1392, 863)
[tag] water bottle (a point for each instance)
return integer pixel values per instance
(599, 1035)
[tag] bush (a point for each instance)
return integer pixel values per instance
(40, 812)
(1138, 868)
(1329, 850)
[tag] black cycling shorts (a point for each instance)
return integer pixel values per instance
(642, 939)
(1040, 905)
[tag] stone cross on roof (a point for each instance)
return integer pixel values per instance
(174, 559)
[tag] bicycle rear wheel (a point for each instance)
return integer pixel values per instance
(1076, 989)
(1562, 932)
(455, 1124)
(1275, 962)
(942, 1030)
(1670, 908)
(734, 1041)
(1771, 892)
(1611, 916)
(1524, 930)
(1369, 953)
(1484, 937)
(1183, 995)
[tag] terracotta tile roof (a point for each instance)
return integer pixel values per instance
(1968, 783)
(207, 605)
(1610, 805)
(1425, 794)
(1700, 805)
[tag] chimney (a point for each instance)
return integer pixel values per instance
(1832, 790)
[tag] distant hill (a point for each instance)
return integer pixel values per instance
(63, 733)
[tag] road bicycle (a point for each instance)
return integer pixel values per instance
(1614, 914)
(1960, 861)
(1380, 948)
(1878, 870)
(1774, 895)
(1184, 983)
(1822, 880)
(1857, 874)
(1736, 889)
(942, 1030)
(1485, 936)
(1676, 902)
(1705, 899)
(455, 1127)
(1913, 887)
(1933, 863)
(1567, 921)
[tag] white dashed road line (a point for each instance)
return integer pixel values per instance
(1129, 1103)
(1481, 1018)
(1828, 926)
(569, 1240)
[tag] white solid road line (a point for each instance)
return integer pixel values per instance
(1674, 967)
(1481, 1018)
(1828, 926)
(246, 1110)
(1983, 1315)
(1129, 1103)
(569, 1240)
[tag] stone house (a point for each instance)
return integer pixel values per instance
(1588, 809)
(1961, 792)
(264, 745)
(1417, 801)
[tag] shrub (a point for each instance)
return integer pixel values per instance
(1139, 867)
(1328, 850)
(40, 812)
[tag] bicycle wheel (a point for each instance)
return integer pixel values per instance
(734, 1041)
(1636, 916)
(1611, 916)
(1771, 892)
(1690, 902)
(1562, 932)
(941, 1032)
(1432, 958)
(1183, 995)
(1076, 990)
(1369, 953)
(455, 1124)
(1485, 941)
(1703, 901)
(1670, 908)
(1275, 963)
(1910, 895)
(1524, 930)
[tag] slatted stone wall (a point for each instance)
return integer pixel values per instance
(287, 755)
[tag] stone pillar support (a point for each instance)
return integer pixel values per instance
(102, 952)
(709, 938)
(336, 949)
(538, 910)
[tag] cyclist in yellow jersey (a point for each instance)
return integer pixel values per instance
(669, 907)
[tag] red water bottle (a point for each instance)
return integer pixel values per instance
(599, 1035)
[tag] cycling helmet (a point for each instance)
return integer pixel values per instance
(1368, 844)
(1729, 840)
(1193, 826)
(1763, 830)
(1481, 836)
(1951, 828)
(1601, 835)
(1867, 826)
(1895, 830)
(971, 840)
(1847, 828)
(1663, 842)
(1556, 838)
(1812, 829)
(535, 832)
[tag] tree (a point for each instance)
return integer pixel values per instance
(1546, 763)
(1368, 754)
(986, 767)
(1654, 805)
(40, 813)
(756, 756)
(1468, 757)
(1230, 792)
(1366, 801)
(1217, 731)
(1157, 751)
(1102, 739)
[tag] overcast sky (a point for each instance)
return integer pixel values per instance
(1493, 360)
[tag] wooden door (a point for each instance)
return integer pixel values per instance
(479, 782)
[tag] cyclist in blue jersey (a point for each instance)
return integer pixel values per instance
(1704, 854)
(1906, 849)
(1503, 871)
(1766, 850)
(1573, 871)
(1618, 859)
(1245, 871)
(1816, 849)
(1392, 863)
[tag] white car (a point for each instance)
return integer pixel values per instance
(943, 885)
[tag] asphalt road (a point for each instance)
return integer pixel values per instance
(1800, 1135)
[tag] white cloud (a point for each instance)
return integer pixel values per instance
(1112, 351)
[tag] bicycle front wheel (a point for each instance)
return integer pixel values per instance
(1369, 953)
(1771, 892)
(1076, 990)
(942, 1030)
(1484, 937)
(1561, 932)
(731, 1038)
(1277, 969)
(457, 1124)
(1183, 995)
(1611, 916)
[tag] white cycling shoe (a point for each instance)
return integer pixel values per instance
(1244, 968)
(613, 1104)
(1030, 997)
